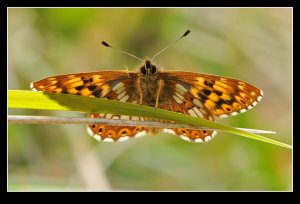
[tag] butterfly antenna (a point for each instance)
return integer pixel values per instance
(171, 44)
(126, 53)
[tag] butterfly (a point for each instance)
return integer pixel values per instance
(200, 95)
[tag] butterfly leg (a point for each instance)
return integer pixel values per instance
(127, 71)
(160, 85)
(140, 90)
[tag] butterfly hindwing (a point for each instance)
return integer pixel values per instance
(110, 133)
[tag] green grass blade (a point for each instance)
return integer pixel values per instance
(50, 101)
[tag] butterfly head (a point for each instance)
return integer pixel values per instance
(148, 71)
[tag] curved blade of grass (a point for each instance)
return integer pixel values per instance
(50, 101)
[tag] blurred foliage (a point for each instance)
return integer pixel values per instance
(250, 44)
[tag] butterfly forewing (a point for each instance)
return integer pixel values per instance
(220, 95)
(114, 85)
(92, 84)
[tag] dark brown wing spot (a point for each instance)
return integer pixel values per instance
(207, 83)
(85, 81)
(219, 93)
(203, 97)
(97, 93)
(79, 87)
(206, 92)
(220, 102)
(230, 102)
(92, 87)
(124, 131)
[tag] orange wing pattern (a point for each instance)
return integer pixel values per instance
(200, 95)
(206, 96)
(114, 85)
(222, 96)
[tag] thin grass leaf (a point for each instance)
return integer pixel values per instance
(50, 101)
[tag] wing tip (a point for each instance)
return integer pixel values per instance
(253, 104)
(32, 87)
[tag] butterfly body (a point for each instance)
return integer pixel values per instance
(200, 95)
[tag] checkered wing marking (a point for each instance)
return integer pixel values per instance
(206, 96)
(114, 85)
(220, 95)
(105, 84)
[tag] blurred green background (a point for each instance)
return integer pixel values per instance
(254, 45)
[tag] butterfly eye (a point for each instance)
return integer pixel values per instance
(143, 70)
(153, 69)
